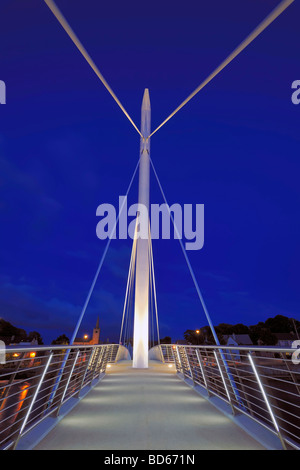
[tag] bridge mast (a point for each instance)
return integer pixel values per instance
(141, 306)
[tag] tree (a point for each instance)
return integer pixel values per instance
(166, 340)
(267, 337)
(62, 339)
(10, 333)
(192, 337)
(281, 324)
(224, 329)
(260, 334)
(35, 335)
(240, 329)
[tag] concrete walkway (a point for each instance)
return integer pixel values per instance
(145, 409)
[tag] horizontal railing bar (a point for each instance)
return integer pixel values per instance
(36, 404)
(286, 392)
(272, 349)
(283, 419)
(269, 391)
(284, 411)
(36, 348)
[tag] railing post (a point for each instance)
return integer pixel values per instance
(170, 353)
(224, 383)
(179, 360)
(33, 400)
(118, 353)
(95, 360)
(67, 383)
(102, 357)
(12, 378)
(251, 360)
(85, 372)
(182, 359)
(92, 362)
(198, 354)
(245, 397)
(161, 353)
(173, 354)
(190, 367)
(58, 378)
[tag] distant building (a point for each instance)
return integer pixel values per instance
(26, 344)
(238, 340)
(285, 340)
(95, 337)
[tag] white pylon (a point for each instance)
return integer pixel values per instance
(141, 305)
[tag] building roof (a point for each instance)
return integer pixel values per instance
(239, 339)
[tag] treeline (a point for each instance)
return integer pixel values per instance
(261, 333)
(12, 334)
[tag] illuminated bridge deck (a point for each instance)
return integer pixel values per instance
(149, 409)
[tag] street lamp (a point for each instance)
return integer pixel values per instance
(198, 338)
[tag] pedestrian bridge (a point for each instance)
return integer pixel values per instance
(145, 409)
(190, 398)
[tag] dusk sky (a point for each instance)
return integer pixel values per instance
(66, 147)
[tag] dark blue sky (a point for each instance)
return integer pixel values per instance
(65, 148)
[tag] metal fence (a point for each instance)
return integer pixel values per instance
(36, 382)
(261, 382)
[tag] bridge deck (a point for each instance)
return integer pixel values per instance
(145, 410)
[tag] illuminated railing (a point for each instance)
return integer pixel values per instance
(113, 352)
(35, 383)
(260, 382)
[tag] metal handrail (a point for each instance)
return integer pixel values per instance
(33, 388)
(268, 386)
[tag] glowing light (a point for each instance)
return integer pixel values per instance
(32, 354)
(35, 395)
(263, 393)
(141, 303)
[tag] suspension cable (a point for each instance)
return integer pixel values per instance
(256, 32)
(187, 259)
(129, 280)
(61, 19)
(102, 258)
(154, 285)
(231, 379)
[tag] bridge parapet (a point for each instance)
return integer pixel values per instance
(123, 354)
(36, 381)
(156, 354)
(262, 383)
